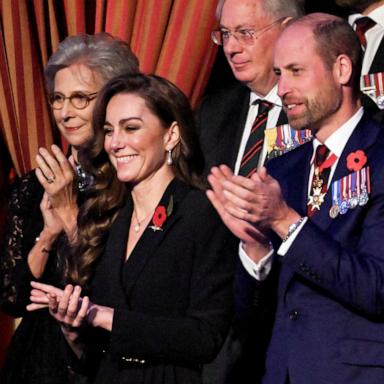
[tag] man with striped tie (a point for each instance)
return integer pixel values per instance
(231, 127)
(232, 121)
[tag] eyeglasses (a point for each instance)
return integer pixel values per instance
(79, 100)
(244, 36)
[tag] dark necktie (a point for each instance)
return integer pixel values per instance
(322, 168)
(254, 144)
(362, 26)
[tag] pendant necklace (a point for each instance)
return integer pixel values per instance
(136, 226)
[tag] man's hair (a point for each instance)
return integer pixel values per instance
(335, 37)
(276, 8)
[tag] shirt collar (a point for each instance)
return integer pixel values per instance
(376, 15)
(338, 140)
(271, 96)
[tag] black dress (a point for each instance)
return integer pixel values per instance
(173, 297)
(38, 353)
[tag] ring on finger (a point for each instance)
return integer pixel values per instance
(50, 180)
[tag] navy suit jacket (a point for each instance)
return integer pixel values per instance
(329, 325)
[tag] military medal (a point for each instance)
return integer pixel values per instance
(319, 190)
(372, 85)
(283, 139)
(353, 200)
(350, 192)
(365, 186)
(334, 210)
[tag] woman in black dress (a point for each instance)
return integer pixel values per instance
(155, 253)
(44, 205)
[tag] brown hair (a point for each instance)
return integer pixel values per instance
(335, 37)
(100, 209)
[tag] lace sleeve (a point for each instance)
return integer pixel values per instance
(24, 223)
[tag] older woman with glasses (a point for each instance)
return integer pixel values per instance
(44, 204)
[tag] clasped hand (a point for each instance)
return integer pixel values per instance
(248, 206)
(66, 306)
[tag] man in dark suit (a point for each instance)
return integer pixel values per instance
(368, 22)
(247, 32)
(322, 207)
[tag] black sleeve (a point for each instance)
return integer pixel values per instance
(23, 224)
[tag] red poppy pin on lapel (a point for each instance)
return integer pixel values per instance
(160, 216)
(356, 160)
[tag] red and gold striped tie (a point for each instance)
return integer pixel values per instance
(255, 140)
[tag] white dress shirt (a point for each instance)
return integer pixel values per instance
(373, 35)
(336, 144)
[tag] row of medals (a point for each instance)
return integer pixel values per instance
(347, 203)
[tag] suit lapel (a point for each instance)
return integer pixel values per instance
(115, 250)
(297, 181)
(378, 61)
(238, 121)
(150, 240)
(282, 118)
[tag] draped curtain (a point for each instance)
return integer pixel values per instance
(170, 38)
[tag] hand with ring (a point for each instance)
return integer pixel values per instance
(57, 175)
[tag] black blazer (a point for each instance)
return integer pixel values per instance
(173, 298)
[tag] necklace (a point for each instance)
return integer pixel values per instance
(136, 227)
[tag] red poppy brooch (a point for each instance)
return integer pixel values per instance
(356, 160)
(160, 216)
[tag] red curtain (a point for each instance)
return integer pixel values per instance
(170, 38)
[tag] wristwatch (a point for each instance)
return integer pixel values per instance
(292, 228)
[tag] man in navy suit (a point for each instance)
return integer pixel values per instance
(315, 218)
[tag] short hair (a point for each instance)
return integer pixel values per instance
(102, 53)
(335, 37)
(276, 8)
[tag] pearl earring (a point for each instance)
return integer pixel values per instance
(169, 157)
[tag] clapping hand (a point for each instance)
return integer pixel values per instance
(57, 175)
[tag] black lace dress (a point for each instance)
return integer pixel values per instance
(38, 353)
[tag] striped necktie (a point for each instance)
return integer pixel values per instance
(255, 140)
